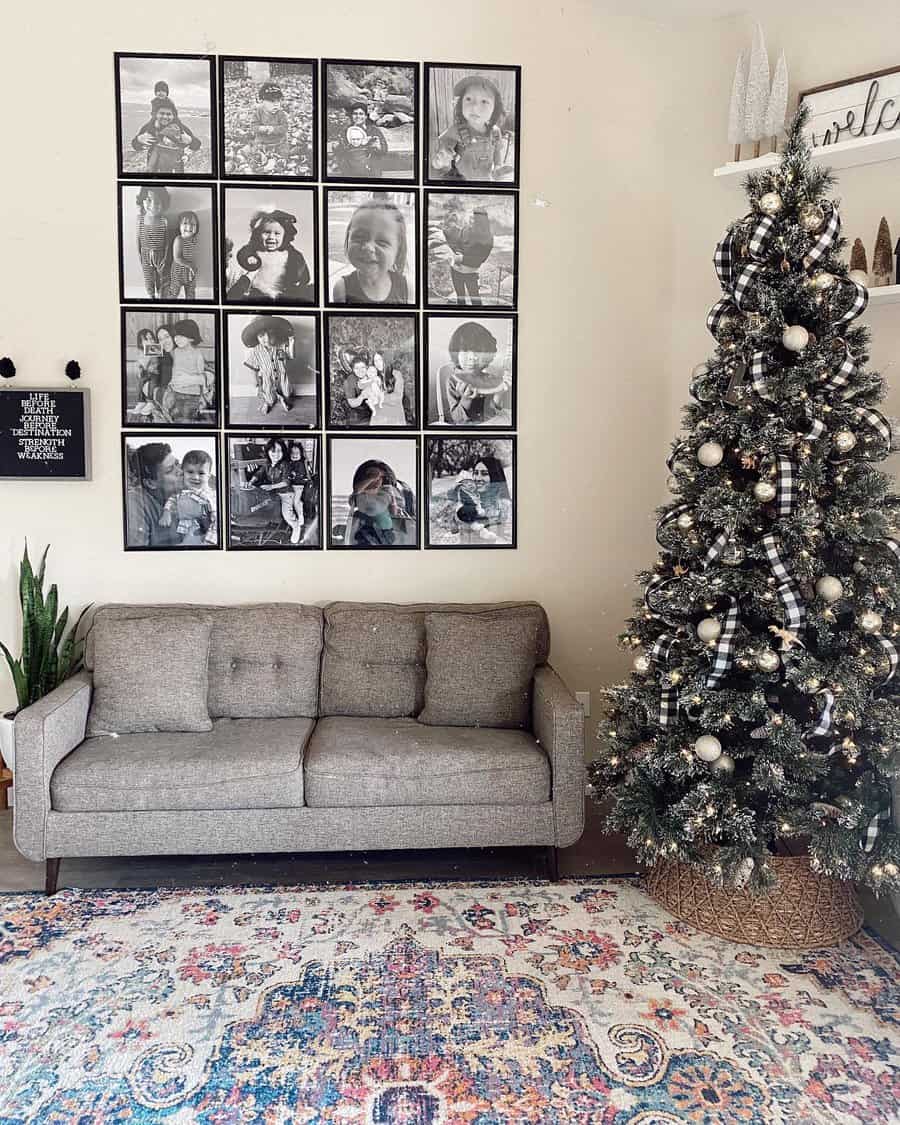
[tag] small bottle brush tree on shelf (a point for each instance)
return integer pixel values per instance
(764, 705)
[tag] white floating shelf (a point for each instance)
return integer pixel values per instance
(844, 154)
(884, 295)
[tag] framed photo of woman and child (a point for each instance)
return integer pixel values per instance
(372, 371)
(370, 247)
(273, 491)
(373, 501)
(272, 370)
(470, 367)
(269, 254)
(165, 116)
(472, 256)
(470, 489)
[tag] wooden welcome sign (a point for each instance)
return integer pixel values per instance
(44, 434)
(867, 106)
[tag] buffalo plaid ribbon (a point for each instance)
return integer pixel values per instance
(823, 722)
(878, 422)
(891, 652)
(724, 654)
(668, 699)
(816, 426)
(857, 306)
(893, 546)
(843, 375)
(736, 281)
(677, 449)
(786, 485)
(788, 590)
(873, 828)
(670, 517)
(826, 239)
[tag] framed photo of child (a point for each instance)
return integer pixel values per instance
(170, 367)
(473, 118)
(269, 252)
(274, 489)
(370, 247)
(472, 249)
(470, 487)
(165, 116)
(272, 370)
(370, 126)
(373, 492)
(470, 368)
(372, 371)
(171, 491)
(268, 118)
(167, 243)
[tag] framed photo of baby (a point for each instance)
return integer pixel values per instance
(473, 120)
(371, 247)
(471, 370)
(272, 364)
(373, 492)
(167, 240)
(171, 491)
(273, 492)
(372, 371)
(269, 250)
(170, 367)
(472, 252)
(165, 116)
(268, 118)
(370, 125)
(471, 492)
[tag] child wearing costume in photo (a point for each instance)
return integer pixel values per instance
(484, 503)
(277, 270)
(377, 499)
(276, 476)
(466, 392)
(360, 146)
(267, 339)
(268, 127)
(375, 244)
(184, 272)
(190, 388)
(471, 240)
(474, 148)
(194, 507)
(153, 239)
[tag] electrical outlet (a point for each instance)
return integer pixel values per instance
(584, 698)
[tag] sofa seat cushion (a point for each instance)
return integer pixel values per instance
(353, 762)
(239, 764)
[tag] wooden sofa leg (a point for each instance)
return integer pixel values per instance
(552, 855)
(51, 876)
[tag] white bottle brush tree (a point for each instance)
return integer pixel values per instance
(763, 712)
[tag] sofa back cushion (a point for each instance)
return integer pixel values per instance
(374, 658)
(263, 659)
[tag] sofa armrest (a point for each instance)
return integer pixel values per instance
(45, 733)
(558, 724)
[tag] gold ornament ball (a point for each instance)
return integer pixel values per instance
(830, 589)
(844, 441)
(723, 764)
(770, 203)
(641, 664)
(812, 216)
(685, 521)
(768, 661)
(708, 748)
(860, 277)
(870, 621)
(710, 454)
(709, 629)
(794, 337)
(823, 281)
(764, 491)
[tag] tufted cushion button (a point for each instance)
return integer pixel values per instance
(233, 665)
(276, 664)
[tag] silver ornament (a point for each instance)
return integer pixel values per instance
(770, 203)
(733, 554)
(812, 216)
(823, 281)
(723, 764)
(641, 664)
(830, 589)
(764, 491)
(794, 337)
(710, 454)
(768, 660)
(708, 748)
(709, 629)
(844, 441)
(870, 621)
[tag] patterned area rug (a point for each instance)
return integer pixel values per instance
(421, 1004)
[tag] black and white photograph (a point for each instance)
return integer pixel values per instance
(273, 491)
(373, 485)
(470, 486)
(472, 116)
(272, 365)
(471, 370)
(369, 121)
(165, 115)
(371, 247)
(170, 367)
(269, 248)
(167, 240)
(472, 249)
(268, 117)
(171, 491)
(372, 371)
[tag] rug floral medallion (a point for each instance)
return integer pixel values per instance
(429, 1004)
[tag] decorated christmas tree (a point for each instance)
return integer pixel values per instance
(763, 711)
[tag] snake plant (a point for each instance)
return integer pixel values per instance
(49, 655)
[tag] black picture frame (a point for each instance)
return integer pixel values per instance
(469, 198)
(252, 301)
(167, 436)
(376, 436)
(331, 319)
(425, 396)
(269, 177)
(176, 314)
(128, 185)
(430, 440)
(143, 174)
(276, 421)
(429, 178)
(414, 254)
(345, 178)
(268, 537)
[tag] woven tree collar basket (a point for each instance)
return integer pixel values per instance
(804, 910)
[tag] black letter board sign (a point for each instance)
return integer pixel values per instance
(44, 434)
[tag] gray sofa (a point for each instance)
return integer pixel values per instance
(315, 746)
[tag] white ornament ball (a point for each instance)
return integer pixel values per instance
(860, 277)
(723, 764)
(685, 521)
(830, 589)
(794, 337)
(710, 454)
(764, 491)
(770, 203)
(709, 629)
(708, 748)
(824, 280)
(844, 441)
(870, 621)
(768, 660)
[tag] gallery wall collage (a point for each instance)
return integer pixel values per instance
(318, 270)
